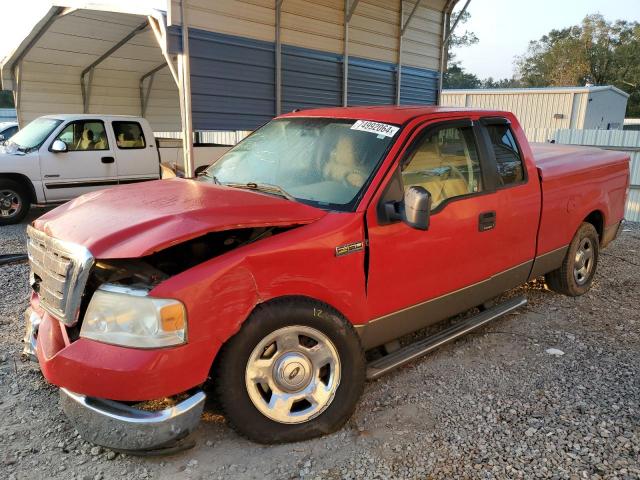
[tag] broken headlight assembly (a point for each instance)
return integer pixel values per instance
(128, 317)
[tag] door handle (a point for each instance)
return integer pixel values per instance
(486, 221)
(107, 160)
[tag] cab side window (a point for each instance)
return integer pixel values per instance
(84, 135)
(446, 163)
(129, 135)
(508, 159)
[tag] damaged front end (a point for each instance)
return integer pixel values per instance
(90, 369)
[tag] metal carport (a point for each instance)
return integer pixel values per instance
(234, 65)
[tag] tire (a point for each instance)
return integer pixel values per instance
(268, 357)
(14, 202)
(575, 275)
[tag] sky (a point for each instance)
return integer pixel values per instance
(504, 27)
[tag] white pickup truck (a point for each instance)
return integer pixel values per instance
(56, 158)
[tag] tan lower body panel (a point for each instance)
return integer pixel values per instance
(384, 329)
(548, 262)
(610, 233)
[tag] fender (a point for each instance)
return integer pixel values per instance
(222, 292)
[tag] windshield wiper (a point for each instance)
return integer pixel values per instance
(264, 187)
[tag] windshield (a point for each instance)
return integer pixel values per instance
(32, 136)
(321, 161)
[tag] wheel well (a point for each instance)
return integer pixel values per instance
(596, 218)
(22, 180)
(301, 298)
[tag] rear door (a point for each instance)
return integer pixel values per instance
(517, 197)
(88, 164)
(137, 155)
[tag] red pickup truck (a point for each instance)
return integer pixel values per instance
(324, 235)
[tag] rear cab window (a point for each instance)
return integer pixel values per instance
(129, 135)
(507, 153)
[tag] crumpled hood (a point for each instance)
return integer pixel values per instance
(134, 220)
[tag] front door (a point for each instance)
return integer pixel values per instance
(88, 164)
(418, 277)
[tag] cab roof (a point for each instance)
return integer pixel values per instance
(90, 116)
(387, 113)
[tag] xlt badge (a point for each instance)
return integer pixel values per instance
(349, 248)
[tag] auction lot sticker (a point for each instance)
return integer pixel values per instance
(375, 127)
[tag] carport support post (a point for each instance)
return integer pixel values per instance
(278, 59)
(403, 28)
(349, 8)
(185, 93)
(447, 31)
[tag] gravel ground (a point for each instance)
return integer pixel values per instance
(494, 404)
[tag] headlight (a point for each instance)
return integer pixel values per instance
(128, 317)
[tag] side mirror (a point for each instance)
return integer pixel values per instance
(58, 146)
(414, 210)
(417, 207)
(1, 137)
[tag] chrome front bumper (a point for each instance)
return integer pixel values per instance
(32, 321)
(117, 425)
(121, 427)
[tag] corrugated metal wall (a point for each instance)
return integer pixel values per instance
(534, 110)
(312, 35)
(419, 85)
(623, 140)
(232, 81)
(371, 82)
(421, 46)
(310, 79)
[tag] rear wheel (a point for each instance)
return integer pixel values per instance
(294, 371)
(14, 202)
(575, 275)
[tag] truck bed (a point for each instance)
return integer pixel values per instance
(573, 180)
(555, 160)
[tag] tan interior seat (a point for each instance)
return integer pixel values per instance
(428, 169)
(343, 164)
(101, 144)
(87, 141)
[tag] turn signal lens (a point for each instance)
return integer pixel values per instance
(172, 317)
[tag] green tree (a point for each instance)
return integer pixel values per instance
(596, 51)
(6, 99)
(502, 83)
(455, 75)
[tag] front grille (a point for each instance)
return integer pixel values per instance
(59, 272)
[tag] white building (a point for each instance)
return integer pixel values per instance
(542, 111)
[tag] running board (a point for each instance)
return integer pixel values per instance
(398, 358)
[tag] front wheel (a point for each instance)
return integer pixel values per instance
(14, 202)
(575, 275)
(294, 371)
